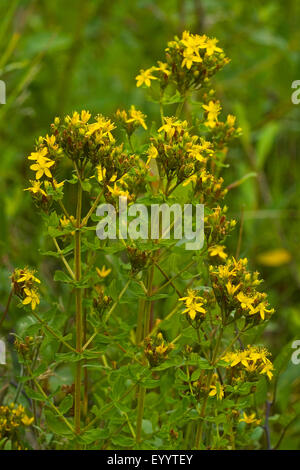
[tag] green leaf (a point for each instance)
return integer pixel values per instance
(123, 441)
(56, 425)
(62, 277)
(266, 142)
(66, 404)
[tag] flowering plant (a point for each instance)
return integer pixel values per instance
(143, 344)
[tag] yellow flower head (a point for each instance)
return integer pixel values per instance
(218, 250)
(36, 188)
(213, 109)
(42, 167)
(31, 298)
(103, 272)
(250, 419)
(137, 117)
(194, 304)
(145, 77)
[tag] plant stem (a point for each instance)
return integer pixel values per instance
(90, 212)
(107, 315)
(140, 412)
(7, 307)
(50, 403)
(202, 413)
(48, 328)
(68, 267)
(85, 373)
(141, 389)
(78, 293)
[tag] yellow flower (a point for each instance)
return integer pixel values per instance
(189, 58)
(27, 276)
(51, 141)
(55, 184)
(152, 153)
(36, 188)
(27, 421)
(231, 120)
(145, 76)
(211, 46)
(31, 298)
(217, 391)
(101, 174)
(42, 167)
(137, 117)
(117, 191)
(193, 304)
(64, 221)
(246, 302)
(105, 126)
(172, 125)
(41, 153)
(268, 370)
(191, 179)
(217, 250)
(251, 419)
(213, 109)
(163, 67)
(85, 116)
(231, 289)
(103, 272)
(261, 308)
(193, 42)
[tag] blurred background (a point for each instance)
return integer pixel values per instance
(56, 57)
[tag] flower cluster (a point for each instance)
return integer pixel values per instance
(219, 132)
(236, 291)
(24, 346)
(250, 362)
(93, 149)
(189, 63)
(215, 389)
(139, 259)
(131, 120)
(216, 225)
(182, 158)
(157, 349)
(101, 301)
(13, 417)
(24, 285)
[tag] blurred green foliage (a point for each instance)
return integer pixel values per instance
(56, 57)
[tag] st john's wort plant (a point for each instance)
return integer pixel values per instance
(149, 343)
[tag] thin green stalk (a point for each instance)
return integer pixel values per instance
(47, 399)
(68, 267)
(107, 315)
(168, 279)
(140, 412)
(139, 329)
(141, 389)
(93, 207)
(48, 328)
(209, 378)
(7, 307)
(79, 332)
